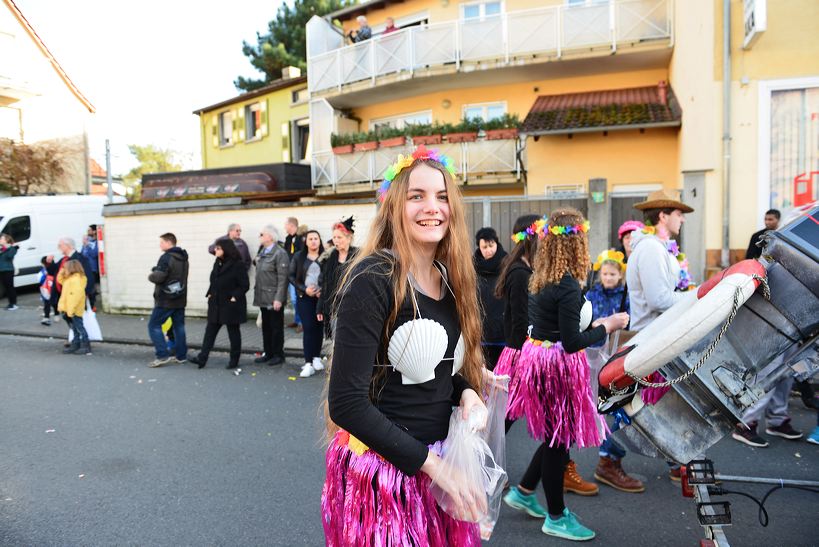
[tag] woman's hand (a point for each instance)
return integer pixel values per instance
(466, 501)
(469, 400)
(320, 316)
(615, 322)
(310, 291)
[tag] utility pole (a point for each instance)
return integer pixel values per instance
(108, 171)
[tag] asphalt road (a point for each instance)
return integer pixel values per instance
(101, 450)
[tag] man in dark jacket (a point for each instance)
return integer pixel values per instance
(772, 217)
(270, 294)
(234, 232)
(170, 277)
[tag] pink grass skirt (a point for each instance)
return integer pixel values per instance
(554, 394)
(506, 367)
(367, 501)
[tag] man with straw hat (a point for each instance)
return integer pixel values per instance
(657, 270)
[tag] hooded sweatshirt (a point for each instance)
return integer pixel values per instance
(492, 308)
(170, 275)
(651, 276)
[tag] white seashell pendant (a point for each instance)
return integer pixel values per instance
(416, 348)
(585, 315)
(458, 356)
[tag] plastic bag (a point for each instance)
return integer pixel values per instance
(92, 327)
(496, 395)
(597, 357)
(468, 469)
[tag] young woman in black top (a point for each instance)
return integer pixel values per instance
(488, 259)
(407, 349)
(554, 389)
(304, 275)
(227, 303)
(332, 271)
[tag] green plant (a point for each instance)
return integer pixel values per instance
(364, 136)
(507, 121)
(341, 140)
(386, 132)
(419, 129)
(468, 125)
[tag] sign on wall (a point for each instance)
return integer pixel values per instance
(755, 17)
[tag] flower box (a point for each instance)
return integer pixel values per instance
(365, 146)
(426, 139)
(343, 149)
(500, 134)
(395, 141)
(461, 137)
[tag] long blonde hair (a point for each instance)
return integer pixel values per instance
(388, 233)
(558, 254)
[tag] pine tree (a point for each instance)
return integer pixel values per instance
(285, 44)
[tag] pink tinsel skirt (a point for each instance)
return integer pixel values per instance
(367, 501)
(554, 394)
(506, 367)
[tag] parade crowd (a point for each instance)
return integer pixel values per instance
(423, 320)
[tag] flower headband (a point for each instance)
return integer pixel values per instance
(610, 256)
(540, 227)
(403, 162)
(536, 229)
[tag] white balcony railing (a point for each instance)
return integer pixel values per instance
(470, 158)
(551, 31)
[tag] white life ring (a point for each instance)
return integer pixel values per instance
(682, 325)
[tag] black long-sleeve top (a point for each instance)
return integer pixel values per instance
(368, 399)
(554, 313)
(516, 310)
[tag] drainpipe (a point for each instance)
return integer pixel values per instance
(726, 131)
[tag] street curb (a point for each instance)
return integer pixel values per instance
(145, 343)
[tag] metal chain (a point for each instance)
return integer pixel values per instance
(766, 293)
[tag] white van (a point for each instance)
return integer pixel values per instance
(38, 222)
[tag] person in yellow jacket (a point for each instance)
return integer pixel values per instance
(72, 305)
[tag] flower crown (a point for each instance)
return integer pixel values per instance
(610, 255)
(540, 227)
(403, 162)
(535, 229)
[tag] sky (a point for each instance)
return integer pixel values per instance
(147, 65)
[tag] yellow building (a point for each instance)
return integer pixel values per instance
(268, 125)
(629, 91)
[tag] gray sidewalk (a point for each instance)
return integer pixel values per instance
(133, 329)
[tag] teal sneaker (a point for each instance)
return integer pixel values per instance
(567, 527)
(813, 438)
(522, 502)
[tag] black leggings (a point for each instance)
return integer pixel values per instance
(234, 335)
(547, 466)
(7, 279)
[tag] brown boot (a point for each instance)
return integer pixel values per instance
(611, 472)
(573, 482)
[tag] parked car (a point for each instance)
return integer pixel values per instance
(37, 222)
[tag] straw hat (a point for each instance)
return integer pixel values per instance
(663, 199)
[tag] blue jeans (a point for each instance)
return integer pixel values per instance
(609, 446)
(291, 289)
(159, 316)
(313, 334)
(78, 327)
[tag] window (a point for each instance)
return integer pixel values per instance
(402, 120)
(225, 129)
(301, 140)
(299, 96)
(484, 111)
(19, 228)
(253, 121)
(794, 150)
(479, 10)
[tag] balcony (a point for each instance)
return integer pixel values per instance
(485, 161)
(509, 39)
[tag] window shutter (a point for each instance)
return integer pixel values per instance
(263, 107)
(240, 116)
(214, 126)
(285, 142)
